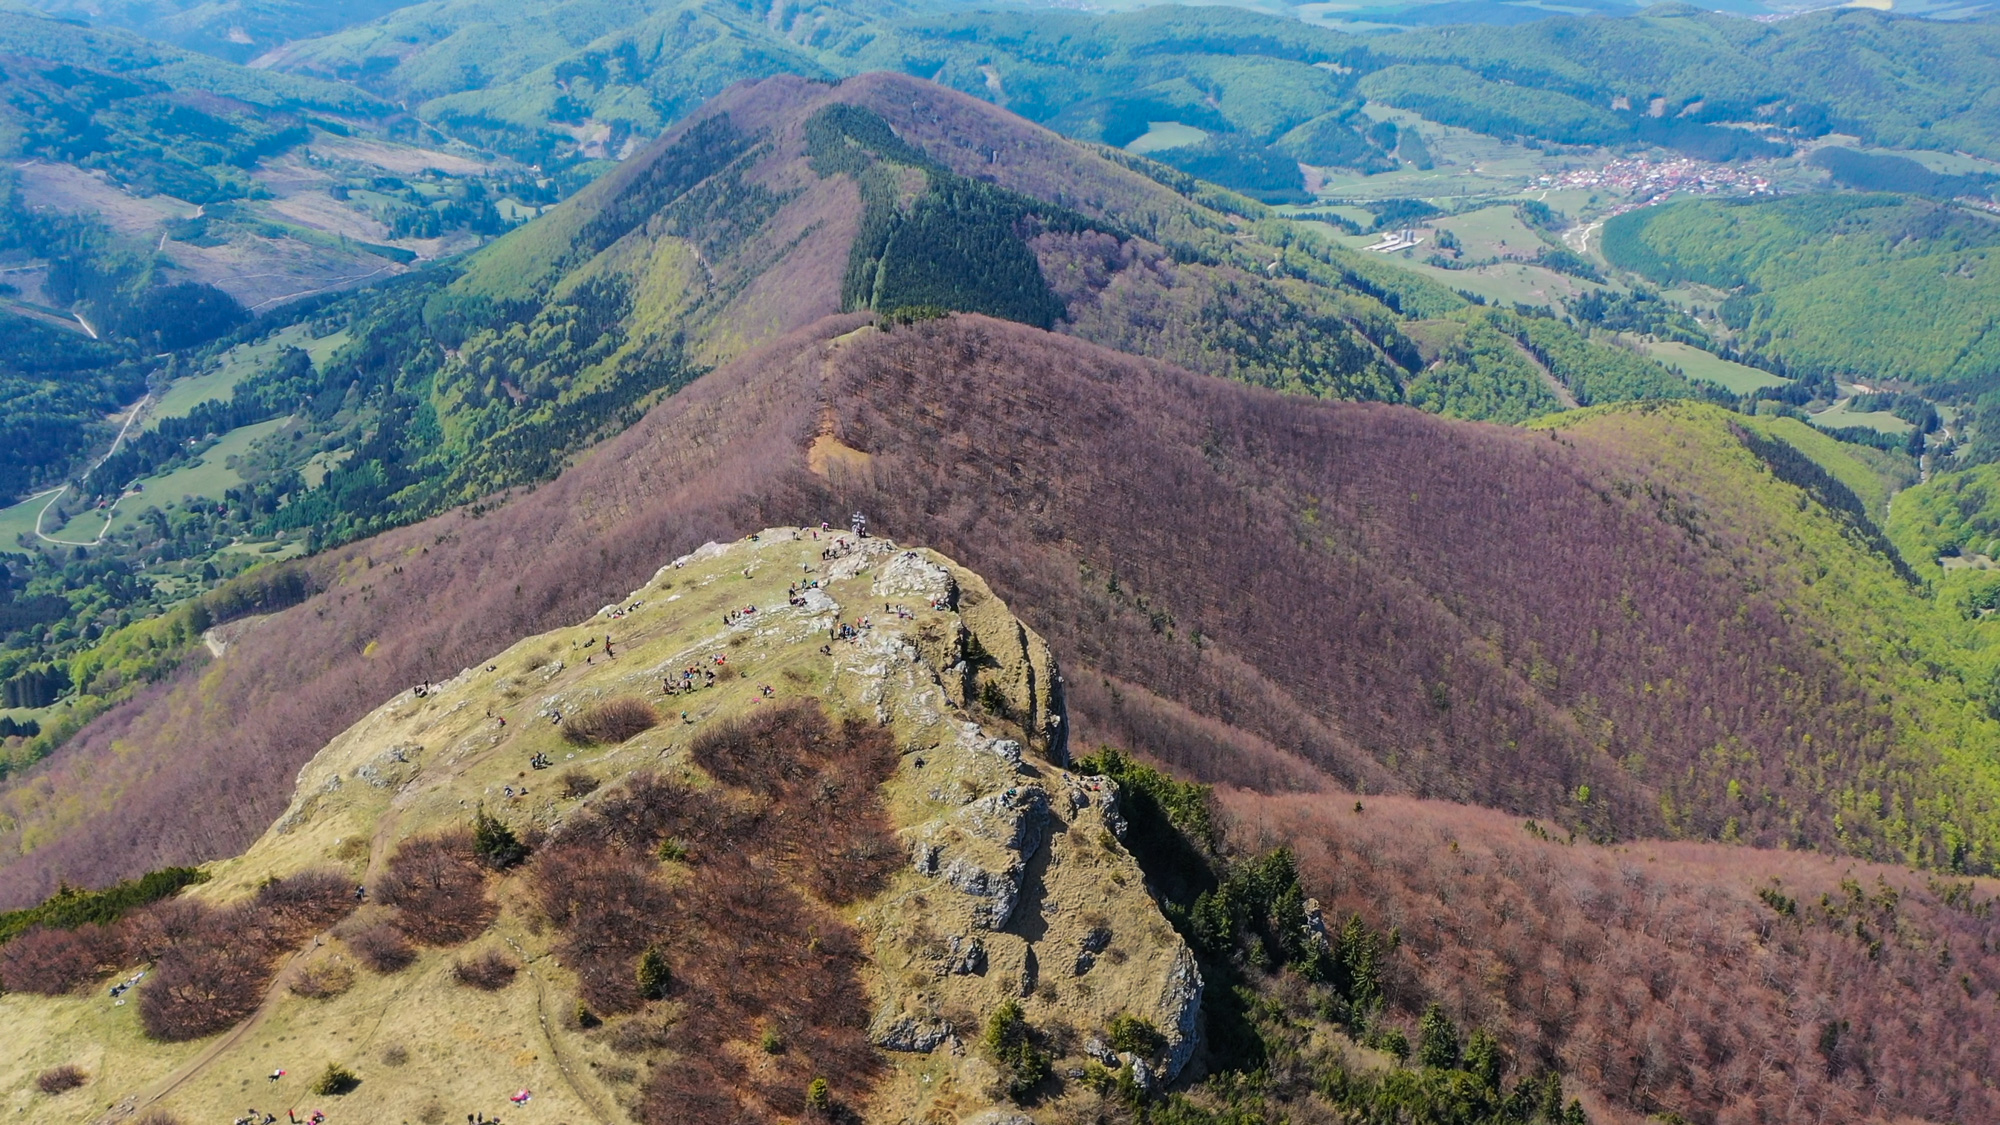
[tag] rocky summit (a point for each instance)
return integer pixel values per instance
(1000, 887)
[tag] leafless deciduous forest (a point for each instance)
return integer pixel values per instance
(1723, 984)
(1254, 589)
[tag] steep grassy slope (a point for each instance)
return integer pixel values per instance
(750, 833)
(1637, 625)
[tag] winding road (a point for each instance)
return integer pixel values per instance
(137, 412)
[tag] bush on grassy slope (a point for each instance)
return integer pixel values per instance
(811, 834)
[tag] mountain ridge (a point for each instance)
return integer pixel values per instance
(914, 412)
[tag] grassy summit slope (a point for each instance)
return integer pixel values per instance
(755, 830)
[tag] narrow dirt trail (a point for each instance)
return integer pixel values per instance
(585, 1096)
(200, 1062)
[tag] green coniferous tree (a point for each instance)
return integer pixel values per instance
(495, 843)
(1437, 1041)
(655, 976)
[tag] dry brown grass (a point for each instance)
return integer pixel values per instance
(611, 722)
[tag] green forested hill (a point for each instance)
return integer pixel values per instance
(236, 30)
(1892, 80)
(157, 119)
(510, 75)
(1795, 508)
(1868, 286)
(781, 203)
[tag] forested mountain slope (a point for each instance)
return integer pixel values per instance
(237, 30)
(786, 200)
(1798, 269)
(540, 79)
(1892, 80)
(157, 118)
(1689, 982)
(780, 202)
(1645, 623)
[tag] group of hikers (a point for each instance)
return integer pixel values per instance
(254, 1118)
(694, 676)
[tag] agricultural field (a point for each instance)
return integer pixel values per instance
(19, 520)
(1838, 415)
(1698, 364)
(1492, 232)
(208, 478)
(1505, 282)
(1164, 135)
(1469, 166)
(314, 471)
(234, 366)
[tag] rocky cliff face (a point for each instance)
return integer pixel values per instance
(1014, 885)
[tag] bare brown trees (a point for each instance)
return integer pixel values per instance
(382, 947)
(438, 887)
(60, 1079)
(612, 721)
(214, 966)
(1720, 984)
(489, 972)
(733, 928)
(54, 962)
(210, 966)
